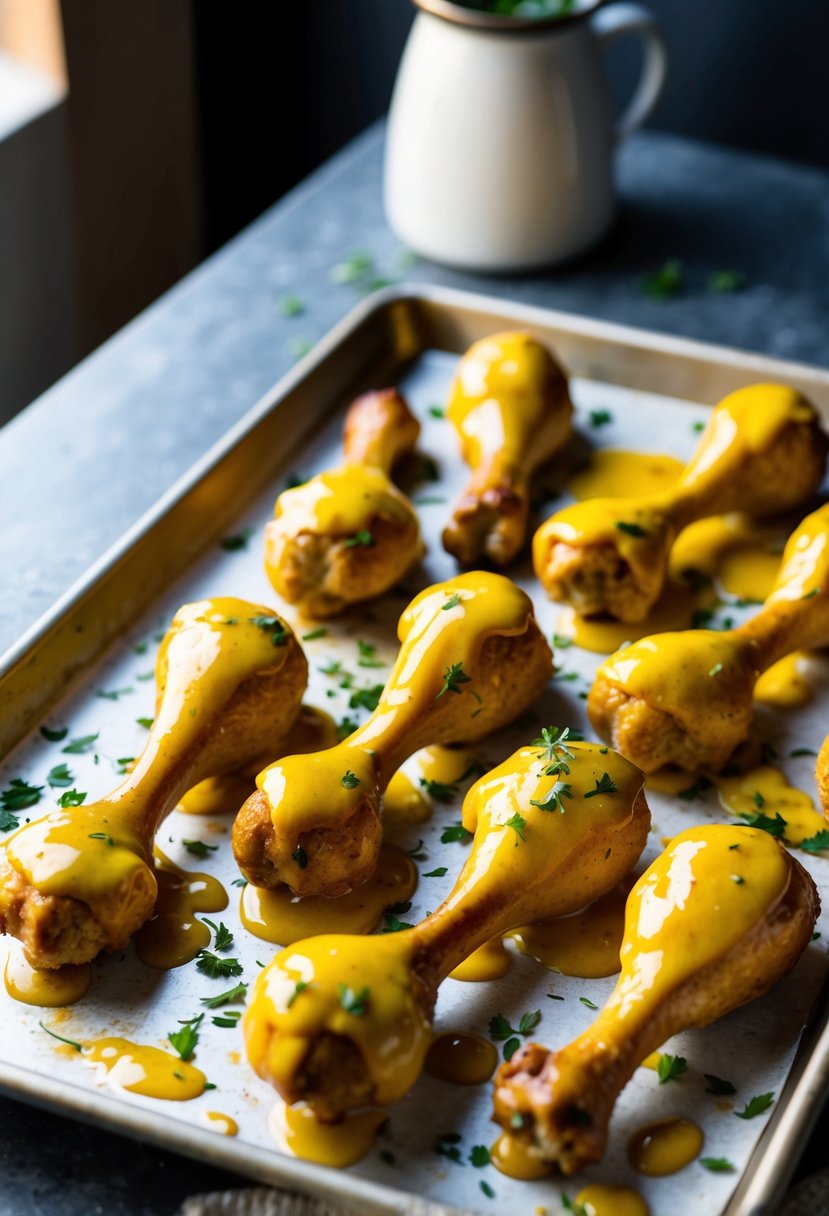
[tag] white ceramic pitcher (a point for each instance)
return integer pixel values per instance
(500, 137)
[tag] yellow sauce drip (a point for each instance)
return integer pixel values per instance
(668, 781)
(299, 1133)
(48, 989)
(223, 1124)
(391, 1032)
(665, 1147)
(652, 1061)
(804, 569)
(100, 853)
(585, 945)
(766, 791)
(174, 935)
(145, 1070)
(461, 1059)
(731, 549)
(313, 730)
(341, 502)
(674, 610)
(599, 1199)
(488, 962)
(500, 397)
(403, 802)
(512, 1157)
(616, 474)
(306, 792)
(687, 910)
(278, 916)
(446, 765)
(784, 684)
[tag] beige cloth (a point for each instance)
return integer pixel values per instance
(261, 1201)
(810, 1197)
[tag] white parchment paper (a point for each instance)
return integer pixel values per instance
(753, 1047)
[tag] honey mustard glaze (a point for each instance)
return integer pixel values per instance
(512, 1156)
(586, 944)
(299, 1133)
(139, 1069)
(444, 626)
(225, 1125)
(529, 857)
(47, 989)
(280, 917)
(500, 399)
(765, 790)
(665, 1147)
(174, 935)
(610, 473)
(784, 684)
(696, 902)
(461, 1059)
(403, 803)
(603, 635)
(601, 1199)
(101, 853)
(738, 553)
(489, 962)
(341, 502)
(743, 425)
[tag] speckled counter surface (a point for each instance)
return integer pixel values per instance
(84, 461)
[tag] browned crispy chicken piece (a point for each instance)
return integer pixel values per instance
(349, 534)
(686, 698)
(762, 452)
(230, 677)
(822, 776)
(719, 918)
(472, 658)
(511, 408)
(297, 1033)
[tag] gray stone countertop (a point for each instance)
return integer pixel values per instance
(84, 461)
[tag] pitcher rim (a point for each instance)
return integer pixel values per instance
(458, 14)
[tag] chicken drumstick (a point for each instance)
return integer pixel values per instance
(763, 451)
(230, 677)
(554, 828)
(720, 917)
(685, 698)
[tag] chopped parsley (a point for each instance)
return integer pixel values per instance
(367, 653)
(775, 827)
(366, 698)
(455, 831)
(453, 677)
(184, 1041)
(349, 780)
(217, 968)
(313, 634)
(354, 1001)
(440, 791)
(437, 411)
(560, 642)
(60, 1038)
(500, 1030)
(757, 1105)
(665, 282)
(297, 347)
(299, 987)
(437, 873)
(803, 751)
(113, 694)
(300, 857)
(227, 1020)
(605, 786)
(630, 529)
(391, 924)
(54, 736)
(198, 848)
(670, 1068)
(552, 799)
(600, 418)
(486, 1189)
(717, 1165)
(716, 1085)
(72, 798)
(452, 602)
(362, 539)
(19, 795)
(479, 1156)
(354, 269)
(345, 728)
(816, 843)
(586, 1001)
(223, 936)
(145, 722)
(272, 626)
(700, 786)
(517, 823)
(236, 993)
(105, 836)
(722, 282)
(232, 544)
(291, 306)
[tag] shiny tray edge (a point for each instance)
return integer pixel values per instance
(380, 335)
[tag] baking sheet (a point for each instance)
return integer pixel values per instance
(752, 1047)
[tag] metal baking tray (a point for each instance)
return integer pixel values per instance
(408, 336)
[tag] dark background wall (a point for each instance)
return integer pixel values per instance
(298, 81)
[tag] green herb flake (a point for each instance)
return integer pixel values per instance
(113, 694)
(439, 791)
(757, 1105)
(605, 786)
(455, 831)
(59, 776)
(272, 626)
(437, 873)
(223, 936)
(665, 282)
(362, 539)
(237, 993)
(198, 848)
(723, 282)
(453, 677)
(217, 968)
(19, 795)
(479, 1156)
(298, 347)
(354, 1001)
(560, 642)
(232, 544)
(291, 306)
(71, 798)
(366, 698)
(349, 780)
(300, 857)
(184, 1041)
(105, 836)
(630, 529)
(437, 411)
(299, 988)
(775, 827)
(486, 1189)
(717, 1165)
(517, 823)
(227, 1020)
(452, 602)
(69, 1042)
(716, 1085)
(600, 418)
(586, 1001)
(816, 843)
(313, 634)
(54, 736)
(671, 1068)
(145, 722)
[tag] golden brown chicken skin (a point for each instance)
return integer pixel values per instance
(349, 534)
(230, 677)
(298, 1035)
(686, 698)
(763, 452)
(697, 944)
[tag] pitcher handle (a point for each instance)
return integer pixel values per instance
(615, 22)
